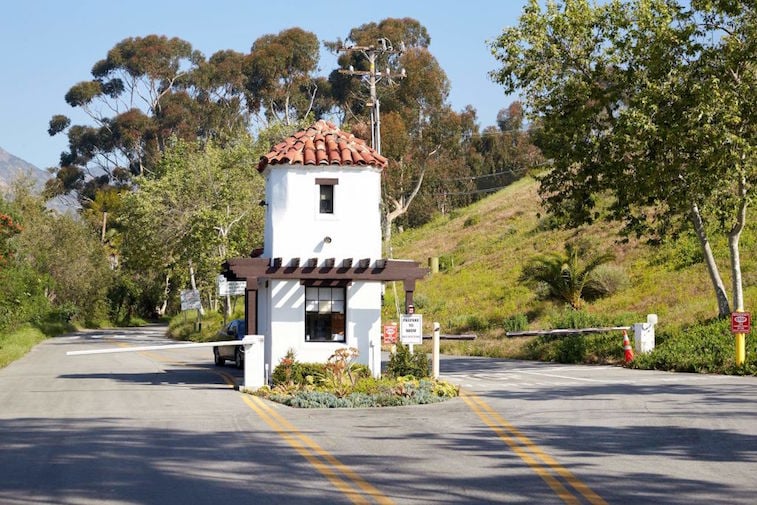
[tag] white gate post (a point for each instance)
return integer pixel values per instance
(254, 358)
(435, 351)
(643, 334)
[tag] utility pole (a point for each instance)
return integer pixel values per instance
(373, 76)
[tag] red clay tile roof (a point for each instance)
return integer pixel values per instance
(322, 144)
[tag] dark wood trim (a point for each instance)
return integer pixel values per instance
(325, 283)
(251, 309)
(326, 181)
(409, 307)
(252, 269)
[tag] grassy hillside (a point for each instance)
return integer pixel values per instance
(483, 248)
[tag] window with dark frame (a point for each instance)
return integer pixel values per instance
(327, 199)
(326, 195)
(325, 310)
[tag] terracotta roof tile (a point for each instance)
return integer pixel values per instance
(322, 144)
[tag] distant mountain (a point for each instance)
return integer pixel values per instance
(12, 168)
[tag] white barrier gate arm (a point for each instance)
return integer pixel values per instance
(112, 350)
(253, 359)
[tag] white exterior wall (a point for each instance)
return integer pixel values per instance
(286, 325)
(364, 323)
(295, 228)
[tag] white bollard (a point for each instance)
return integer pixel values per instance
(435, 351)
(254, 359)
(643, 334)
(373, 365)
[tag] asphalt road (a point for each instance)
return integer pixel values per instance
(167, 428)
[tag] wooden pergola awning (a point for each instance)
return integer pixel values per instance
(254, 269)
(327, 273)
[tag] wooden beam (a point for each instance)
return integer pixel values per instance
(260, 268)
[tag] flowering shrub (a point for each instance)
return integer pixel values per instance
(341, 383)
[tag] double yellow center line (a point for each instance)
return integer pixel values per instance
(359, 491)
(345, 479)
(555, 475)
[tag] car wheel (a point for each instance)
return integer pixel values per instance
(238, 358)
(217, 357)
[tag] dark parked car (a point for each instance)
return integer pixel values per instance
(235, 330)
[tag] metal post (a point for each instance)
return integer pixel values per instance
(740, 344)
(435, 351)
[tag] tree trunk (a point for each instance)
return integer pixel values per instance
(161, 310)
(724, 308)
(401, 206)
(733, 247)
(389, 218)
(194, 285)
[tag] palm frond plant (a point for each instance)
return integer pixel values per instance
(564, 277)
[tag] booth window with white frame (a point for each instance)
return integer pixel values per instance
(325, 309)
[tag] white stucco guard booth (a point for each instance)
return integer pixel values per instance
(316, 286)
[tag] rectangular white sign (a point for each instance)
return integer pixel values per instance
(190, 299)
(411, 329)
(232, 288)
(237, 288)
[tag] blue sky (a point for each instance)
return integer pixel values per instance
(47, 46)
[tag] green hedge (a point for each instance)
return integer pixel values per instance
(708, 347)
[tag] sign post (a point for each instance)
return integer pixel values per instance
(741, 324)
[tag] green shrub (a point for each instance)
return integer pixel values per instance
(575, 319)
(22, 297)
(597, 348)
(188, 326)
(518, 322)
(571, 349)
(369, 393)
(605, 280)
(297, 373)
(707, 347)
(402, 363)
(471, 221)
(291, 371)
(679, 254)
(469, 322)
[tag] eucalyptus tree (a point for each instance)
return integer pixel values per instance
(416, 119)
(145, 91)
(279, 72)
(504, 153)
(648, 103)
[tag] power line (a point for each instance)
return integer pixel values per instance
(476, 177)
(474, 192)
